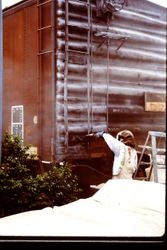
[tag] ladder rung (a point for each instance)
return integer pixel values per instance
(144, 163)
(45, 52)
(77, 51)
(79, 2)
(157, 133)
(45, 27)
(75, 25)
(150, 148)
(160, 166)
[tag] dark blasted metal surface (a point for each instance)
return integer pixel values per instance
(100, 84)
(92, 75)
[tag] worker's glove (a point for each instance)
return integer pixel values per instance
(99, 134)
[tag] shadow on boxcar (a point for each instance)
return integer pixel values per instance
(88, 175)
(97, 168)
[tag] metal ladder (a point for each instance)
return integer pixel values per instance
(46, 49)
(151, 146)
(72, 50)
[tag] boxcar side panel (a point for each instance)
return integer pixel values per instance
(106, 66)
(80, 72)
(20, 69)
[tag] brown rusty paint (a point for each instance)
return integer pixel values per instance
(92, 76)
(20, 71)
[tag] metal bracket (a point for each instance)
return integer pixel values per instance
(109, 6)
(112, 36)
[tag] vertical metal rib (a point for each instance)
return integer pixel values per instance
(108, 69)
(39, 79)
(66, 76)
(88, 67)
(53, 64)
(91, 61)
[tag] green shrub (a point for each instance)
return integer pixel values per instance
(20, 191)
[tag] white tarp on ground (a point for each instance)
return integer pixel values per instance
(119, 208)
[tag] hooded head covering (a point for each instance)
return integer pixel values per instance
(127, 137)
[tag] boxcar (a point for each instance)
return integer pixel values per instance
(80, 66)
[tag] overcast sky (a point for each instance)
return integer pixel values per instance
(6, 3)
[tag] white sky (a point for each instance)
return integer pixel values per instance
(7, 3)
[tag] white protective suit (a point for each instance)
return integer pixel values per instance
(125, 158)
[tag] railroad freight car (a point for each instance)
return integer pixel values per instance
(74, 67)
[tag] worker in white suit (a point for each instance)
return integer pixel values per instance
(125, 155)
